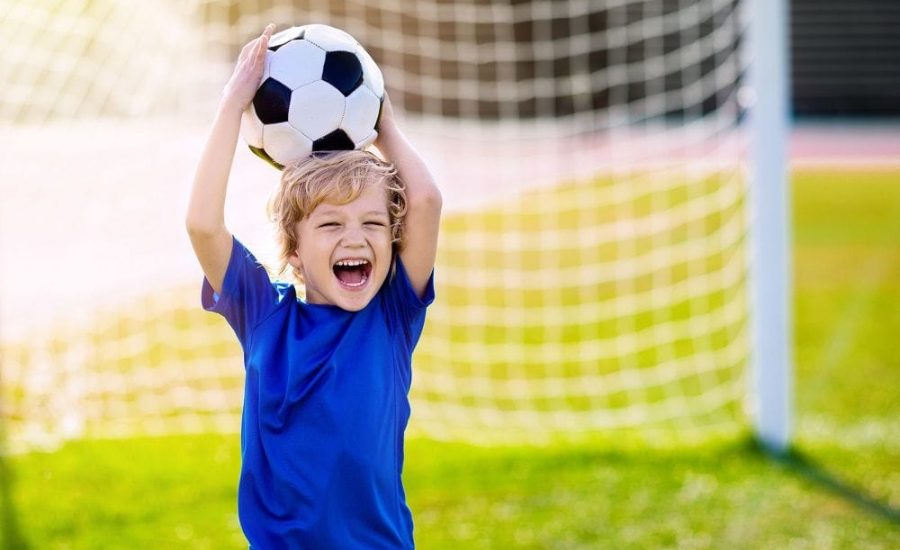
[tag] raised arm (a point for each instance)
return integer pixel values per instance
(422, 196)
(205, 219)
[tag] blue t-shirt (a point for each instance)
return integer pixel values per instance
(325, 410)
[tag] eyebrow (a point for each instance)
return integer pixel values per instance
(335, 211)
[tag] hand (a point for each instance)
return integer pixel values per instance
(242, 85)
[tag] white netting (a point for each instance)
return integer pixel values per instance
(592, 266)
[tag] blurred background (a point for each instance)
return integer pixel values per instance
(583, 378)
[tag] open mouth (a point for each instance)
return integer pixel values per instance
(352, 273)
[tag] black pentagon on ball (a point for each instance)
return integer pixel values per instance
(335, 141)
(265, 156)
(272, 101)
(343, 71)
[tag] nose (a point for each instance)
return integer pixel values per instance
(353, 236)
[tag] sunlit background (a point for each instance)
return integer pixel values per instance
(584, 376)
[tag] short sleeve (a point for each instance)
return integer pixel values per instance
(405, 307)
(247, 293)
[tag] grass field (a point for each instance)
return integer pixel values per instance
(839, 488)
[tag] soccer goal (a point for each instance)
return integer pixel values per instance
(613, 253)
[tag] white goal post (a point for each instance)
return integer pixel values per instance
(770, 236)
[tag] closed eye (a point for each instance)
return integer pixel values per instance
(329, 224)
(379, 224)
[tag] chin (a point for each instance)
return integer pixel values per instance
(355, 299)
(353, 308)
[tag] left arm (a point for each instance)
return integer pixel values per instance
(423, 200)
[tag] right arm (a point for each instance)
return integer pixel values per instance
(205, 219)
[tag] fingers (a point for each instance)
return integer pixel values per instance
(258, 44)
(245, 51)
(263, 40)
(266, 34)
(260, 48)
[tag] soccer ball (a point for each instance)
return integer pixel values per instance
(320, 91)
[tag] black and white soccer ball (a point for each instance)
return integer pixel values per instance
(320, 91)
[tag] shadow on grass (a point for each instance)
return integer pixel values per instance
(11, 536)
(804, 466)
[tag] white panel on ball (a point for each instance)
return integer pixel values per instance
(372, 76)
(361, 114)
(316, 109)
(251, 127)
(369, 140)
(285, 144)
(297, 64)
(330, 39)
(285, 36)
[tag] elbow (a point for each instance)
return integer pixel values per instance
(192, 226)
(435, 200)
(430, 201)
(200, 228)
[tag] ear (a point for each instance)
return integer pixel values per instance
(294, 260)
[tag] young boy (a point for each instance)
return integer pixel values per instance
(327, 378)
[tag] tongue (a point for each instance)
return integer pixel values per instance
(350, 275)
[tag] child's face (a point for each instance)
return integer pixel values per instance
(344, 250)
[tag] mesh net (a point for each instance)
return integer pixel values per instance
(591, 272)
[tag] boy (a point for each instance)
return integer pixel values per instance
(327, 378)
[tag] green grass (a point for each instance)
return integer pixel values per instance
(839, 489)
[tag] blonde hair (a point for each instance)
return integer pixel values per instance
(338, 177)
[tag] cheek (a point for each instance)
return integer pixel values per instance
(377, 237)
(315, 255)
(386, 244)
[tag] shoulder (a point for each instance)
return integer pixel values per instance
(404, 309)
(286, 291)
(286, 294)
(285, 300)
(399, 288)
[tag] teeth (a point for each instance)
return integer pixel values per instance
(361, 283)
(351, 263)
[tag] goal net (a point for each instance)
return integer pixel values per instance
(592, 266)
